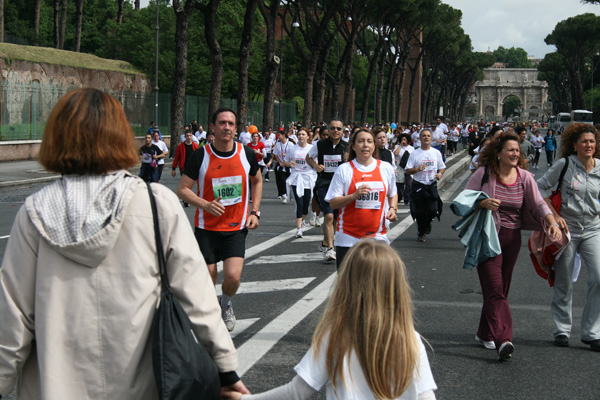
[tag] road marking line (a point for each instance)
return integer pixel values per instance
(308, 238)
(288, 258)
(4, 237)
(242, 325)
(264, 340)
(270, 286)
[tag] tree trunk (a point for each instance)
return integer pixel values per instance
(379, 90)
(180, 73)
(413, 80)
(321, 88)
(309, 79)
(216, 56)
(367, 92)
(348, 81)
(63, 24)
(272, 68)
(56, 24)
(137, 5)
(36, 20)
(244, 55)
(120, 12)
(1, 20)
(79, 11)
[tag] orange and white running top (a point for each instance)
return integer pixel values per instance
(225, 177)
(365, 217)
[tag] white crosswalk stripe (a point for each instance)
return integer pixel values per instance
(270, 286)
(288, 258)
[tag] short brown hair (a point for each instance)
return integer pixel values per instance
(572, 134)
(87, 133)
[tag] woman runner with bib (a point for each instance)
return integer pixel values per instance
(364, 190)
(302, 178)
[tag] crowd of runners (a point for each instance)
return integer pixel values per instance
(345, 178)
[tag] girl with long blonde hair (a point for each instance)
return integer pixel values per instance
(365, 345)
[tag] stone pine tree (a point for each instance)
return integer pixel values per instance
(63, 24)
(244, 56)
(120, 11)
(183, 12)
(269, 11)
(209, 10)
(79, 25)
(36, 20)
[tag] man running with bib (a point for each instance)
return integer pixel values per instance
(223, 170)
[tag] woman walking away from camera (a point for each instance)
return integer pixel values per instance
(365, 346)
(302, 178)
(516, 204)
(364, 190)
(80, 281)
(580, 190)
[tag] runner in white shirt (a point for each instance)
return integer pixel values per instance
(269, 143)
(537, 141)
(364, 190)
(165, 150)
(302, 178)
(427, 167)
(403, 181)
(453, 138)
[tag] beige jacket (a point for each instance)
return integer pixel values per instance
(76, 318)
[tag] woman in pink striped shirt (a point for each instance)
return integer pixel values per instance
(516, 204)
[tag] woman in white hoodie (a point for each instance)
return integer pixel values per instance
(79, 282)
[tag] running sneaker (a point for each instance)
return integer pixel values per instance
(284, 199)
(303, 226)
(329, 255)
(506, 350)
(322, 247)
(317, 221)
(420, 238)
(299, 232)
(488, 345)
(312, 218)
(229, 317)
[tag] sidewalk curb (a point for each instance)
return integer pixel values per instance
(454, 170)
(55, 177)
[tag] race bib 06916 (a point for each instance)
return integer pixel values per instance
(371, 200)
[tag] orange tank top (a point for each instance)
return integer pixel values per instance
(365, 217)
(225, 177)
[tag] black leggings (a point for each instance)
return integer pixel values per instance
(302, 203)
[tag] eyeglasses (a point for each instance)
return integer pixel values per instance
(336, 128)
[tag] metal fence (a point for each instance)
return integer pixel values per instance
(24, 109)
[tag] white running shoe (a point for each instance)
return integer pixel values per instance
(298, 232)
(229, 318)
(488, 345)
(505, 351)
(303, 226)
(329, 254)
(312, 218)
(284, 199)
(317, 221)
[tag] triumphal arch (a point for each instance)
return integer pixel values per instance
(500, 83)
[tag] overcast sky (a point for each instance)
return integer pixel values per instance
(516, 23)
(513, 23)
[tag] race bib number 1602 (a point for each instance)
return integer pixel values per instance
(229, 189)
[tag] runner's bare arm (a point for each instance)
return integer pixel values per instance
(185, 193)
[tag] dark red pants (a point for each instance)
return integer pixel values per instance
(494, 276)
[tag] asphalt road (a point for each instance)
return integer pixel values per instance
(285, 284)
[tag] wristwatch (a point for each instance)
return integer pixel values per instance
(255, 213)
